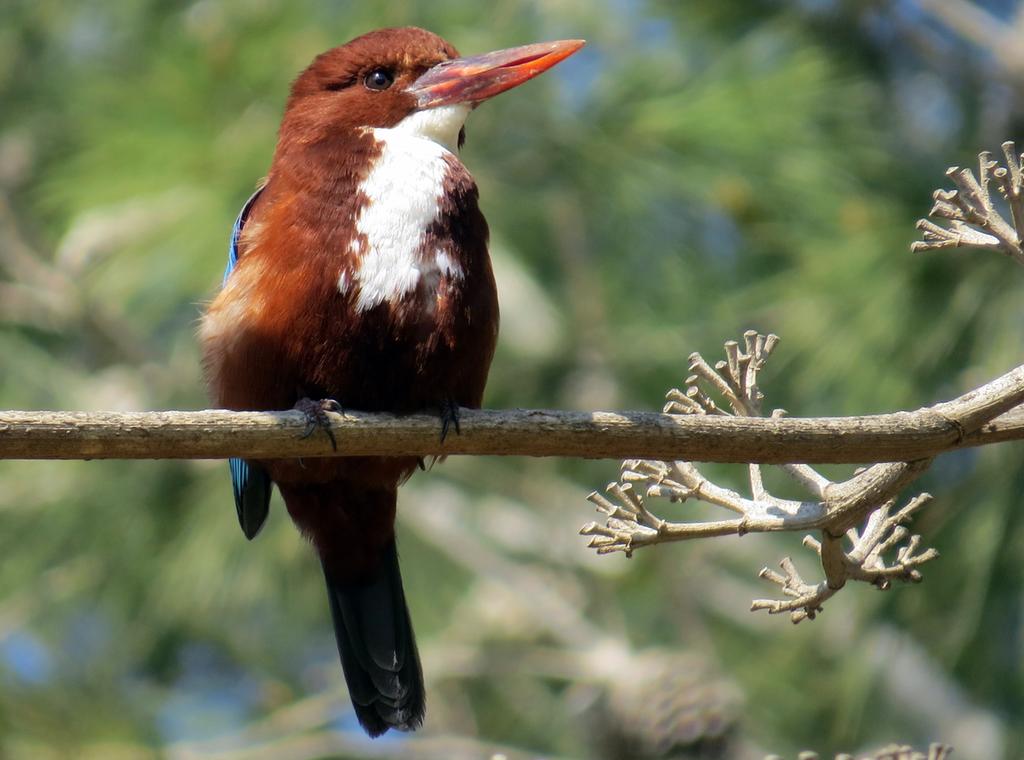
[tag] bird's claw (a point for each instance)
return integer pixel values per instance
(316, 417)
(449, 418)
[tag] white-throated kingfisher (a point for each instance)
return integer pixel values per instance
(358, 275)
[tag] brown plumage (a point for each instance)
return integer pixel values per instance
(363, 276)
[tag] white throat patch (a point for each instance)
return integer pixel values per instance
(442, 124)
(403, 191)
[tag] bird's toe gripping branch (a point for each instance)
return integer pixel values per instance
(316, 416)
(846, 553)
(450, 411)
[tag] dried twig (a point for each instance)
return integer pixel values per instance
(863, 536)
(971, 216)
(864, 561)
(835, 509)
(892, 752)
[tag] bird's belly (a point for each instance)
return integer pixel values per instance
(401, 359)
(430, 348)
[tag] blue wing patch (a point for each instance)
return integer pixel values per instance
(250, 483)
(236, 232)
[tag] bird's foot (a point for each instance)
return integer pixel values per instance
(316, 416)
(449, 418)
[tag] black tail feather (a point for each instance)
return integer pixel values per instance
(378, 649)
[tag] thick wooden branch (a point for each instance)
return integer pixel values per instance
(970, 420)
(595, 435)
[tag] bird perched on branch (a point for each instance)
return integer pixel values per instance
(358, 275)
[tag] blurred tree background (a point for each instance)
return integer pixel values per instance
(700, 168)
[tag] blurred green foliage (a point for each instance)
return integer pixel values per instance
(700, 168)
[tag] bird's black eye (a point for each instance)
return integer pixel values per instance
(379, 79)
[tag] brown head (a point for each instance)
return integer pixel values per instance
(383, 77)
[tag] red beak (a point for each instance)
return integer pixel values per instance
(471, 80)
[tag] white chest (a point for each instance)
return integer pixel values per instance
(395, 253)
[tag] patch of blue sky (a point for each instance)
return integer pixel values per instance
(209, 697)
(26, 658)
